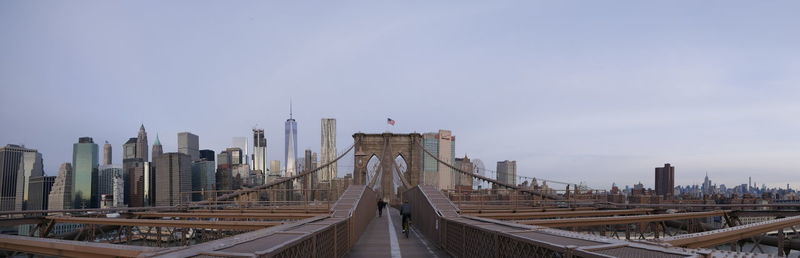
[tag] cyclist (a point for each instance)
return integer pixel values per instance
(405, 211)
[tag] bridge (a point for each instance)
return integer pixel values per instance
(528, 223)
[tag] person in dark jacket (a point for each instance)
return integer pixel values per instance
(405, 211)
(381, 206)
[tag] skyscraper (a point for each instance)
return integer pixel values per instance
(17, 165)
(241, 143)
(207, 155)
(105, 179)
(309, 163)
(224, 175)
(328, 149)
(464, 182)
(60, 197)
(38, 191)
(174, 179)
(203, 179)
(274, 171)
(259, 150)
(507, 172)
(85, 161)
(189, 144)
(157, 148)
(291, 145)
(665, 180)
(443, 145)
(275, 168)
(107, 157)
(129, 149)
(141, 145)
(140, 186)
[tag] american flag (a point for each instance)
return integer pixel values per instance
(390, 121)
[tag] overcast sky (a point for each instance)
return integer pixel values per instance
(594, 91)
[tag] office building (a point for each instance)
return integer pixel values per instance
(157, 148)
(105, 179)
(139, 190)
(173, 179)
(224, 175)
(328, 149)
(107, 156)
(60, 197)
(309, 164)
(464, 182)
(207, 155)
(274, 171)
(443, 145)
(275, 168)
(118, 191)
(141, 144)
(38, 192)
(85, 162)
(291, 145)
(203, 179)
(189, 144)
(241, 143)
(259, 150)
(17, 165)
(241, 176)
(507, 172)
(235, 156)
(129, 149)
(665, 180)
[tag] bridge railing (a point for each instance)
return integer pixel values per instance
(438, 219)
(331, 235)
(425, 213)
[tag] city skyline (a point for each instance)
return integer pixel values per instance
(560, 93)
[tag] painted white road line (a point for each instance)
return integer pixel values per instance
(423, 242)
(393, 237)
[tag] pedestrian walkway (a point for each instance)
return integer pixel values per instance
(384, 238)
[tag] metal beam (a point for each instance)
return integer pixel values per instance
(20, 221)
(763, 213)
(507, 209)
(258, 215)
(599, 221)
(727, 235)
(66, 248)
(232, 225)
(698, 205)
(561, 214)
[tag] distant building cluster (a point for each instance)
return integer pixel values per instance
(149, 176)
(666, 192)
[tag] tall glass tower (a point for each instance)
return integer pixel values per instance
(85, 162)
(259, 150)
(291, 144)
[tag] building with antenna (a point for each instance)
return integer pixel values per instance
(291, 144)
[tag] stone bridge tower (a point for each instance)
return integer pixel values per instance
(387, 147)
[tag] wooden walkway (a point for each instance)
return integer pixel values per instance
(386, 239)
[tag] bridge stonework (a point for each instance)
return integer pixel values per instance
(387, 147)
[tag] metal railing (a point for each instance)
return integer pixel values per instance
(465, 236)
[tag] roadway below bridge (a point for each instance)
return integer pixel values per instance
(384, 238)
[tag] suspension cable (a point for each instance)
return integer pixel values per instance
(240, 192)
(509, 186)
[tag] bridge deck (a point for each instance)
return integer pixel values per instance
(377, 240)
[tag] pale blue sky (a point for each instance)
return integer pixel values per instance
(595, 91)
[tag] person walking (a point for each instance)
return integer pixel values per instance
(381, 205)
